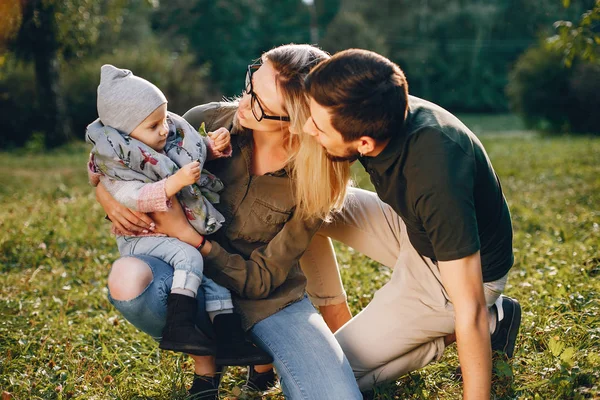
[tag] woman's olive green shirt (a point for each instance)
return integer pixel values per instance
(255, 254)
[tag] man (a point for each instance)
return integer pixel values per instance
(453, 234)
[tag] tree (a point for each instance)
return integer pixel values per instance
(11, 16)
(52, 30)
(551, 96)
(349, 29)
(581, 40)
(229, 34)
(456, 52)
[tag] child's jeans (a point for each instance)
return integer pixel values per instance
(187, 263)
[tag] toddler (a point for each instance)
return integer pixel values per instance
(147, 156)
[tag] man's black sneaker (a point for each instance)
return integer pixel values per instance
(260, 381)
(505, 334)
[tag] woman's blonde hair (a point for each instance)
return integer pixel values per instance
(320, 184)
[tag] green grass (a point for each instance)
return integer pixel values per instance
(60, 338)
(493, 123)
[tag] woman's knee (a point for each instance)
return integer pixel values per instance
(128, 278)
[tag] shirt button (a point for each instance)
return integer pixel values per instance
(268, 218)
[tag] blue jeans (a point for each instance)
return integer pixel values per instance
(187, 262)
(148, 311)
(309, 361)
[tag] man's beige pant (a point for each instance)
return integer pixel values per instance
(403, 327)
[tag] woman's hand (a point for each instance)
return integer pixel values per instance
(174, 223)
(125, 220)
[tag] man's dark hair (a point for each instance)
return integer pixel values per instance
(366, 94)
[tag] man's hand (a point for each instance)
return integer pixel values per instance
(221, 139)
(463, 281)
(127, 221)
(187, 175)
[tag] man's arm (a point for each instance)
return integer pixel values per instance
(463, 281)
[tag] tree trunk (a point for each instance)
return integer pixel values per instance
(56, 122)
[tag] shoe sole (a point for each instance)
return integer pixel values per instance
(259, 360)
(188, 349)
(512, 331)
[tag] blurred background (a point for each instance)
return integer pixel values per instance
(537, 59)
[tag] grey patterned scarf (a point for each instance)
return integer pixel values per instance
(124, 158)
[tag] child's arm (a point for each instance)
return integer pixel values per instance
(134, 195)
(138, 196)
(218, 144)
(187, 175)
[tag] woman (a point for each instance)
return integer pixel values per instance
(272, 209)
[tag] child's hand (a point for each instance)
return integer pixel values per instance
(221, 139)
(189, 173)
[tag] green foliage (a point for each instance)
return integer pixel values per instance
(455, 53)
(183, 83)
(538, 88)
(62, 339)
(581, 41)
(18, 109)
(551, 96)
(230, 34)
(72, 27)
(351, 30)
(326, 11)
(50, 31)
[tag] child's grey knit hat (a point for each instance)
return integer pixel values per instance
(125, 100)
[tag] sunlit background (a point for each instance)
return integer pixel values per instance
(470, 56)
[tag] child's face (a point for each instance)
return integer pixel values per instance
(153, 130)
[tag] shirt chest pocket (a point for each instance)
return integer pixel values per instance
(263, 222)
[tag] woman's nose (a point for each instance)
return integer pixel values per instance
(245, 101)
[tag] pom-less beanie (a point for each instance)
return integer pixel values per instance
(125, 100)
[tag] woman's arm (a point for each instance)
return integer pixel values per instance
(324, 283)
(256, 277)
(125, 220)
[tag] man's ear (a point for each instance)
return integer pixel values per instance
(366, 144)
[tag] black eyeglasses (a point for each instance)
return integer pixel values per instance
(257, 109)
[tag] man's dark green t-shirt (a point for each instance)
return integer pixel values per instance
(437, 176)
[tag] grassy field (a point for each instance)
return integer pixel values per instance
(60, 338)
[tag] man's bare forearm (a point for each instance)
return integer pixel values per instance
(475, 354)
